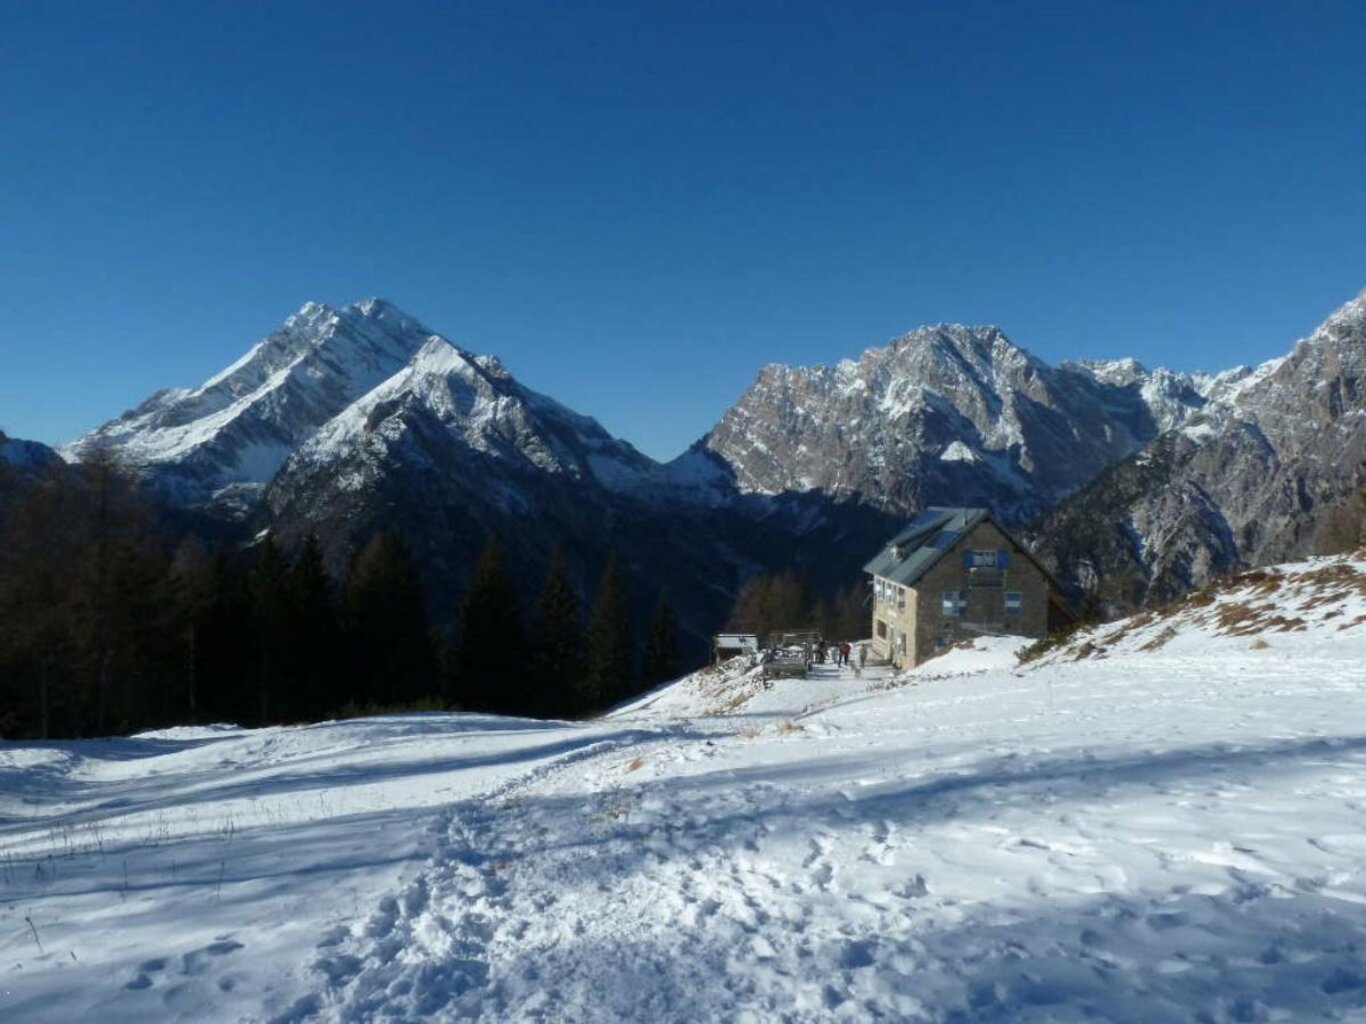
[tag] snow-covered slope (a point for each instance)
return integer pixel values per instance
(1170, 831)
(1298, 605)
(445, 398)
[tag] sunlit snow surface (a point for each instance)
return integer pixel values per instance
(1160, 821)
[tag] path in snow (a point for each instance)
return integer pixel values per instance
(1160, 821)
(864, 866)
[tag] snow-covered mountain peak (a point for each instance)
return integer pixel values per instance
(1119, 372)
(982, 345)
(452, 411)
(238, 427)
(878, 427)
(439, 357)
(1351, 314)
(333, 384)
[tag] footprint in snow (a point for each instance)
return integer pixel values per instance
(334, 937)
(196, 962)
(912, 889)
(338, 969)
(823, 876)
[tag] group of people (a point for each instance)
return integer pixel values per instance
(841, 654)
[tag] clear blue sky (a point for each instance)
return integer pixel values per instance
(637, 205)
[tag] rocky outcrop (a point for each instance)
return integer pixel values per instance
(944, 415)
(1263, 475)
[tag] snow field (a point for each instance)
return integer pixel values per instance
(1132, 831)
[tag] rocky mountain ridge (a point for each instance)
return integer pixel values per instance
(346, 420)
(946, 414)
(1274, 470)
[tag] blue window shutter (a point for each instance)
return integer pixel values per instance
(1002, 559)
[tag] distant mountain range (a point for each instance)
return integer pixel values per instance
(1272, 468)
(347, 420)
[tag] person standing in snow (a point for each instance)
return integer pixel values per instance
(862, 655)
(844, 653)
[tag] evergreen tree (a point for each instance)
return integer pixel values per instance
(661, 652)
(390, 660)
(771, 602)
(269, 609)
(313, 632)
(491, 662)
(225, 645)
(853, 612)
(83, 619)
(607, 673)
(557, 658)
(191, 592)
(38, 680)
(119, 619)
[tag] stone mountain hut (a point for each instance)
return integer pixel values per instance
(953, 574)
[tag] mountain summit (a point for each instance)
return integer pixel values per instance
(330, 383)
(1272, 468)
(222, 441)
(947, 414)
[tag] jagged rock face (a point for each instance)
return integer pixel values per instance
(449, 410)
(1249, 481)
(944, 415)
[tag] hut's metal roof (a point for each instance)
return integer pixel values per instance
(924, 541)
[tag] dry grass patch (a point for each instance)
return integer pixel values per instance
(787, 727)
(635, 764)
(1160, 641)
(1086, 650)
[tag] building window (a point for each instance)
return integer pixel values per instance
(1014, 602)
(881, 630)
(985, 558)
(901, 643)
(901, 599)
(986, 577)
(954, 604)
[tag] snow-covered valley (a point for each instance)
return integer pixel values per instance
(1164, 820)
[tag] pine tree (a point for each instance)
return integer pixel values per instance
(773, 601)
(608, 670)
(225, 644)
(313, 631)
(557, 658)
(119, 620)
(390, 659)
(661, 653)
(38, 672)
(191, 592)
(491, 661)
(269, 608)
